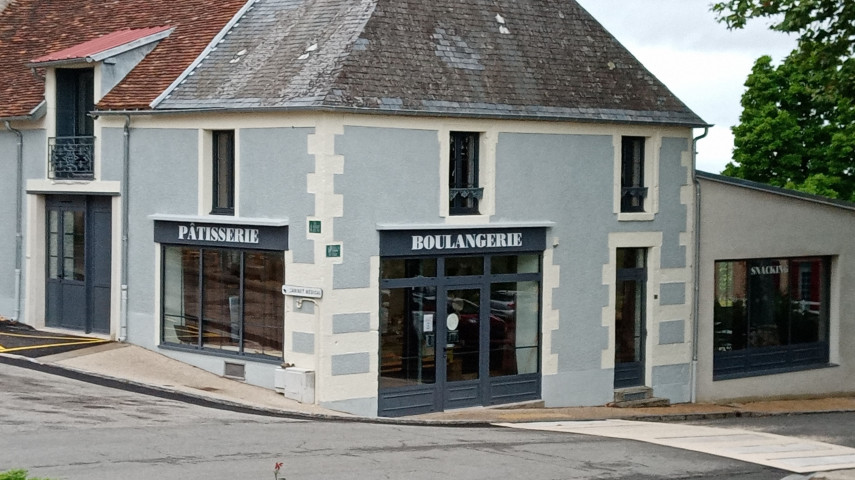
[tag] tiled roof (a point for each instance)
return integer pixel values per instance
(30, 29)
(522, 59)
(99, 45)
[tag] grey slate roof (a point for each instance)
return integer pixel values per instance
(541, 59)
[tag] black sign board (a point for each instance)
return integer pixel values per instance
(461, 241)
(251, 237)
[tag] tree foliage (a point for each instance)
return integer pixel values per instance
(797, 128)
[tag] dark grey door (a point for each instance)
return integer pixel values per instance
(630, 306)
(78, 263)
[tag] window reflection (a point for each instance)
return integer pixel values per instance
(233, 296)
(766, 304)
(407, 336)
(514, 328)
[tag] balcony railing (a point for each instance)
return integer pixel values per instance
(632, 199)
(72, 158)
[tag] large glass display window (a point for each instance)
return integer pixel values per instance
(770, 315)
(223, 300)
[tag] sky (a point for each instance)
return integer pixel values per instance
(697, 58)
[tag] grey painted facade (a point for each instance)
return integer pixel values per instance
(390, 176)
(8, 145)
(274, 164)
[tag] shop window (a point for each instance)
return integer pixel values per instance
(514, 328)
(223, 300)
(463, 188)
(407, 348)
(223, 161)
(633, 190)
(770, 315)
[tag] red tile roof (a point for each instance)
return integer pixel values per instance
(99, 45)
(31, 29)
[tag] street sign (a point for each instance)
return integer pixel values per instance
(308, 292)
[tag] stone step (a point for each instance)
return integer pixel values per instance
(641, 403)
(633, 393)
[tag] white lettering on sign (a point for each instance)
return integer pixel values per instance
(769, 270)
(295, 291)
(469, 240)
(218, 234)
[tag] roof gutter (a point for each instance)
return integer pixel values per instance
(19, 213)
(406, 113)
(693, 393)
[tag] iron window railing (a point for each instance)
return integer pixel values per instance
(71, 158)
(632, 199)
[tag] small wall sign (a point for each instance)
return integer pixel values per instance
(333, 251)
(314, 226)
(308, 292)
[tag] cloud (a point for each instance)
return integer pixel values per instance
(698, 59)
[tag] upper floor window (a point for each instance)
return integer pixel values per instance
(223, 172)
(72, 150)
(464, 192)
(633, 191)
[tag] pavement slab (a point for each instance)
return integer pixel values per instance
(777, 451)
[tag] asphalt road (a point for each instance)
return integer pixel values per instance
(66, 429)
(836, 428)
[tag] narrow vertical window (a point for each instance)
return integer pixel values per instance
(463, 189)
(632, 186)
(223, 172)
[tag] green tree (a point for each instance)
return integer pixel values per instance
(797, 128)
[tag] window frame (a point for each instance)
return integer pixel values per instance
(199, 315)
(216, 165)
(464, 183)
(634, 190)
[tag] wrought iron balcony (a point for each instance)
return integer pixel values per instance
(72, 158)
(465, 193)
(632, 199)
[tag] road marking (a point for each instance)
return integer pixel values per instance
(50, 345)
(50, 337)
(777, 451)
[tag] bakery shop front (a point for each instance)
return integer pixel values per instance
(459, 318)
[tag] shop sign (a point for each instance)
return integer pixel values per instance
(462, 241)
(467, 241)
(769, 270)
(308, 292)
(255, 237)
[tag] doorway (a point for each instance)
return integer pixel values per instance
(78, 261)
(630, 307)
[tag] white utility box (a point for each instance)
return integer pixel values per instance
(295, 383)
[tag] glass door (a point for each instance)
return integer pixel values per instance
(463, 349)
(66, 267)
(629, 317)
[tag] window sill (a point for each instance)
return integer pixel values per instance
(636, 216)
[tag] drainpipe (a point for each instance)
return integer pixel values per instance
(697, 273)
(19, 215)
(123, 320)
